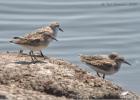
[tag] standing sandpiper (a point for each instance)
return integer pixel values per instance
(38, 40)
(105, 65)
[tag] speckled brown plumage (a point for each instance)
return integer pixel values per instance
(108, 64)
(39, 39)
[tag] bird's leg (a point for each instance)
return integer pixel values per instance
(20, 51)
(42, 54)
(30, 53)
(34, 55)
(98, 74)
(103, 76)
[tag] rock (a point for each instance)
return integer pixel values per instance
(52, 78)
(15, 93)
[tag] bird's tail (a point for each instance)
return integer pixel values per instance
(11, 41)
(14, 38)
(82, 57)
(85, 58)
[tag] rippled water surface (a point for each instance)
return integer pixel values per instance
(90, 27)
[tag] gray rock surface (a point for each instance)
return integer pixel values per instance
(52, 79)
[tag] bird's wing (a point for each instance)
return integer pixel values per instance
(24, 41)
(90, 58)
(34, 35)
(98, 57)
(40, 35)
(33, 40)
(104, 64)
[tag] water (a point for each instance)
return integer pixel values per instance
(90, 27)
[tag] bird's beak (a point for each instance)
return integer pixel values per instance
(127, 62)
(61, 29)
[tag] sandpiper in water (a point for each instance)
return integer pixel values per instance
(105, 65)
(38, 40)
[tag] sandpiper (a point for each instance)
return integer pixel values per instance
(105, 65)
(38, 40)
